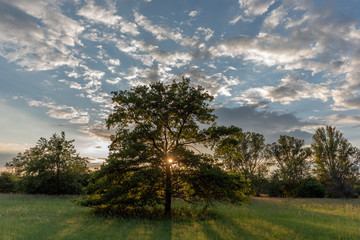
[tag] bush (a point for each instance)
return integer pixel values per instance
(50, 184)
(311, 188)
(357, 191)
(275, 187)
(8, 183)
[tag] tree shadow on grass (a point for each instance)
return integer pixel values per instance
(89, 226)
(227, 228)
(151, 222)
(156, 213)
(299, 222)
(315, 225)
(162, 230)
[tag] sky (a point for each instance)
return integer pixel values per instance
(274, 66)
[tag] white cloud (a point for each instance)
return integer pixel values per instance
(316, 40)
(92, 74)
(138, 76)
(161, 33)
(72, 84)
(149, 54)
(255, 7)
(337, 119)
(267, 49)
(113, 81)
(115, 62)
(98, 14)
(207, 33)
(229, 68)
(235, 20)
(345, 98)
(61, 111)
(99, 97)
(193, 13)
(98, 130)
(72, 74)
(217, 83)
(36, 35)
(274, 18)
(292, 88)
(6, 147)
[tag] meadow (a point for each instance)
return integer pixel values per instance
(57, 217)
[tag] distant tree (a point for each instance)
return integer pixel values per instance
(51, 167)
(152, 155)
(336, 161)
(245, 153)
(291, 158)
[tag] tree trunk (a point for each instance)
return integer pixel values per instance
(168, 191)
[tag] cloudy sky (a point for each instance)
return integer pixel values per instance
(274, 66)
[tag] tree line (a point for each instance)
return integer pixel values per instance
(287, 168)
(155, 157)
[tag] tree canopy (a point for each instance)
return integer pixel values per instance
(52, 167)
(153, 155)
(244, 152)
(292, 160)
(336, 161)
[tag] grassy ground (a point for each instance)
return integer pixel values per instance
(45, 217)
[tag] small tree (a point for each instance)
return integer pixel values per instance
(291, 158)
(245, 153)
(152, 155)
(51, 167)
(336, 161)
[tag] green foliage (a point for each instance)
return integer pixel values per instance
(153, 124)
(8, 182)
(292, 161)
(311, 188)
(228, 149)
(357, 191)
(275, 187)
(336, 162)
(51, 167)
(209, 184)
(245, 153)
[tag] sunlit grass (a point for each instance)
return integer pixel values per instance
(50, 217)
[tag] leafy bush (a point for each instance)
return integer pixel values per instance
(8, 183)
(275, 187)
(357, 191)
(311, 188)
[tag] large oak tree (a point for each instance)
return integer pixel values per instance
(153, 155)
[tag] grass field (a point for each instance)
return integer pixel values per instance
(46, 217)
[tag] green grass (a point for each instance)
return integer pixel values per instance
(46, 217)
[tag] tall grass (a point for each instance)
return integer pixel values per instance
(49, 217)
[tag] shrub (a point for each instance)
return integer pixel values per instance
(311, 188)
(275, 187)
(8, 183)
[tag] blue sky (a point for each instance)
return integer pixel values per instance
(274, 66)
